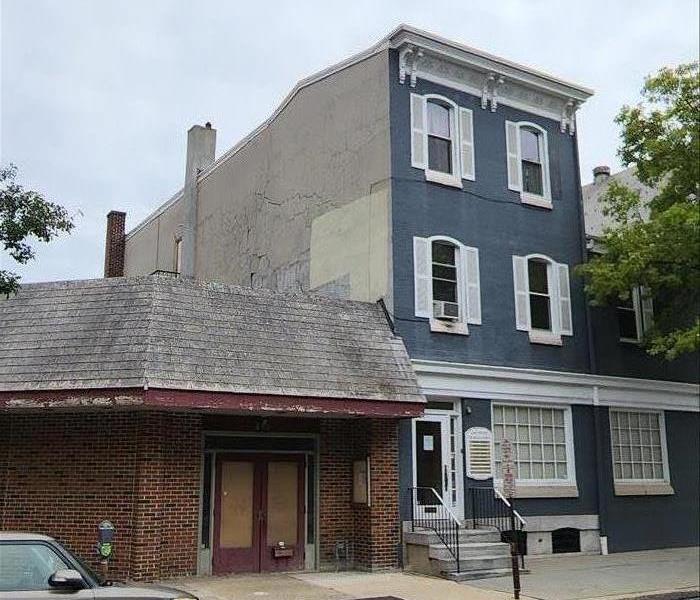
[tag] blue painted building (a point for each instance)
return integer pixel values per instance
(445, 182)
(486, 201)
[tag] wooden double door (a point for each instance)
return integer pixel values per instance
(259, 513)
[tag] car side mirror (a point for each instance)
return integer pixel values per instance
(67, 579)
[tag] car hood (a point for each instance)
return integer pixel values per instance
(143, 591)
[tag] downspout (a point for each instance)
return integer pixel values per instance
(593, 367)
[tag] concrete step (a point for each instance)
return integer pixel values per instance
(471, 575)
(472, 563)
(428, 537)
(474, 550)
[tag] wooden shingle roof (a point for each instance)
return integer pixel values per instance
(170, 333)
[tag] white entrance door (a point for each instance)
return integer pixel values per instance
(435, 463)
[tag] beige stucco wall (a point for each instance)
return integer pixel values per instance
(350, 248)
(152, 247)
(328, 148)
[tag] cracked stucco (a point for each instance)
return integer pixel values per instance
(327, 149)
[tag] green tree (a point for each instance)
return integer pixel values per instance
(24, 215)
(656, 244)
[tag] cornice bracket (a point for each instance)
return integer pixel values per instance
(489, 91)
(568, 117)
(408, 64)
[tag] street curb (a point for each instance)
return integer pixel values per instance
(684, 594)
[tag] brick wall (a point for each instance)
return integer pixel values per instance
(62, 473)
(373, 530)
(66, 472)
(336, 517)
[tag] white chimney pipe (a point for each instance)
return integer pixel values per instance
(201, 148)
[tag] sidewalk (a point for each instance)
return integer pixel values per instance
(551, 578)
(587, 577)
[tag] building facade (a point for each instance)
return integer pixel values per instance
(220, 429)
(445, 181)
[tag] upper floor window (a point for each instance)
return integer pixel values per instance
(532, 160)
(542, 298)
(528, 163)
(540, 294)
(635, 314)
(440, 136)
(446, 280)
(442, 139)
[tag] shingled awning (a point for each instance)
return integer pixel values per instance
(186, 344)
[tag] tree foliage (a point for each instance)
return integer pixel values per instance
(655, 244)
(24, 215)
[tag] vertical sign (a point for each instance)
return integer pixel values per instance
(508, 468)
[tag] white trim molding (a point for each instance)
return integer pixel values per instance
(553, 387)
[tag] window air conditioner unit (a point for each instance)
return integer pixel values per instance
(446, 311)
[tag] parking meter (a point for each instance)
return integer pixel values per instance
(105, 539)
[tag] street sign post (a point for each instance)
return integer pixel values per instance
(508, 470)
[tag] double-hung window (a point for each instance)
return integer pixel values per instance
(542, 298)
(528, 163)
(542, 442)
(442, 139)
(635, 314)
(446, 281)
(639, 454)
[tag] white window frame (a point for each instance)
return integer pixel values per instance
(570, 481)
(643, 314)
(551, 336)
(463, 285)
(544, 200)
(666, 480)
(453, 179)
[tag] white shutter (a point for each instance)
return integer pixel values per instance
(565, 325)
(466, 137)
(422, 277)
(419, 134)
(478, 443)
(470, 260)
(522, 300)
(513, 152)
(647, 309)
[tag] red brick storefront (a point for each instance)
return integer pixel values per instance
(62, 473)
(190, 414)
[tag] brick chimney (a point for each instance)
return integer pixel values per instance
(114, 244)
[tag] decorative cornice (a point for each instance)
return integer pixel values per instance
(492, 86)
(553, 387)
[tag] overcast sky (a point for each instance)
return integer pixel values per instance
(97, 94)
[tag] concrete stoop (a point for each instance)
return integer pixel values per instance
(481, 554)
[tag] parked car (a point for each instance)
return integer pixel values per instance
(36, 566)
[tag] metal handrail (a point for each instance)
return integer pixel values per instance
(491, 508)
(444, 522)
(509, 505)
